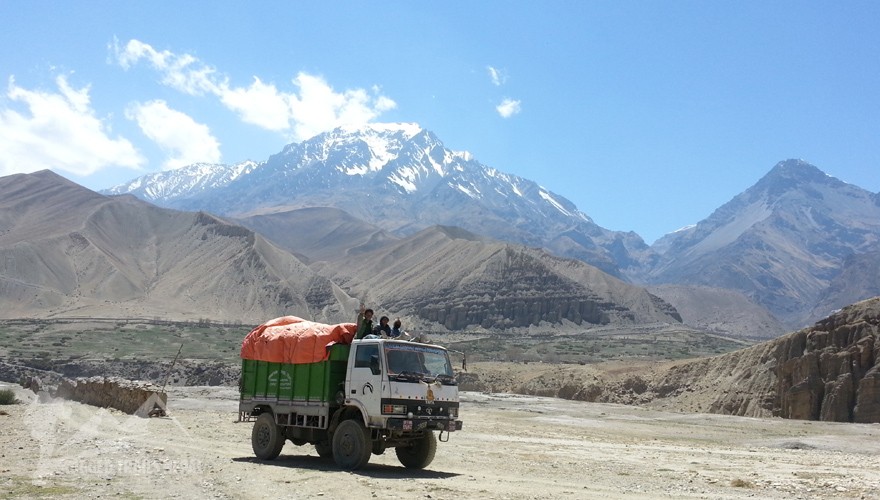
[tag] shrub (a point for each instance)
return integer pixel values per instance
(7, 397)
(741, 483)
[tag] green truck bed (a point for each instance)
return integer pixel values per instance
(310, 382)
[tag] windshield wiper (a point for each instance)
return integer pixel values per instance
(408, 376)
(447, 379)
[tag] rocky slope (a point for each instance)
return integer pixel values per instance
(858, 278)
(463, 281)
(319, 233)
(718, 310)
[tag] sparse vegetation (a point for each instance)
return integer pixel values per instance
(25, 487)
(45, 344)
(594, 347)
(7, 397)
(741, 483)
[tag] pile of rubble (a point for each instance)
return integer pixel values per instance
(134, 397)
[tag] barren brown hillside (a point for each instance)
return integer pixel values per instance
(66, 251)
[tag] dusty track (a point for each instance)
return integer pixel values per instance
(511, 447)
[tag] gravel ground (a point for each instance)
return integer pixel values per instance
(514, 447)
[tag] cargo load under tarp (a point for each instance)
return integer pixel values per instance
(289, 339)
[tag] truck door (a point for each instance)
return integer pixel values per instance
(365, 386)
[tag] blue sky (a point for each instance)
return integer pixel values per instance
(647, 115)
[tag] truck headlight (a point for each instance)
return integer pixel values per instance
(393, 409)
(453, 412)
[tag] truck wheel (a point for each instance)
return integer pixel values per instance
(324, 449)
(266, 437)
(351, 445)
(418, 454)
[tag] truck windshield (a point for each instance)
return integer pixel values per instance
(419, 362)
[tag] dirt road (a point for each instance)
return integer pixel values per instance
(511, 447)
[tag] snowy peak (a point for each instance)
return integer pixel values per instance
(183, 182)
(407, 159)
(407, 130)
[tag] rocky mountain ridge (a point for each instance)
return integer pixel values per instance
(122, 257)
(780, 243)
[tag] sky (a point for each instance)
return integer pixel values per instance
(648, 115)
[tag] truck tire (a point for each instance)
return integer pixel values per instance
(266, 437)
(324, 449)
(418, 454)
(351, 445)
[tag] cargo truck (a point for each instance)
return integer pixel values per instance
(365, 397)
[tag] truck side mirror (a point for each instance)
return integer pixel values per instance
(374, 364)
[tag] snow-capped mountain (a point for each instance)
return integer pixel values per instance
(401, 178)
(183, 182)
(781, 242)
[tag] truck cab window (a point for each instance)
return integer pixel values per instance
(364, 352)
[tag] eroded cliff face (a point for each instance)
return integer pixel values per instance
(830, 371)
(827, 372)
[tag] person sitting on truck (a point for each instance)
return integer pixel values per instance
(364, 323)
(382, 329)
(396, 330)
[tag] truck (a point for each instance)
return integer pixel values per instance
(364, 398)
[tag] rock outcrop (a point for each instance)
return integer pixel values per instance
(826, 372)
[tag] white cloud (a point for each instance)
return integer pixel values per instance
(315, 108)
(181, 72)
(319, 108)
(59, 131)
(259, 104)
(497, 76)
(182, 138)
(508, 108)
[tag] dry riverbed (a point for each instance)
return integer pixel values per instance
(511, 447)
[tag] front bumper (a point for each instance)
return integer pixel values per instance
(412, 424)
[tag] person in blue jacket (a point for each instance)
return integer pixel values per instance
(382, 329)
(396, 330)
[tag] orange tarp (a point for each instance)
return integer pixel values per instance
(289, 339)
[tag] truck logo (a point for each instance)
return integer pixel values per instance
(429, 396)
(281, 380)
(365, 387)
